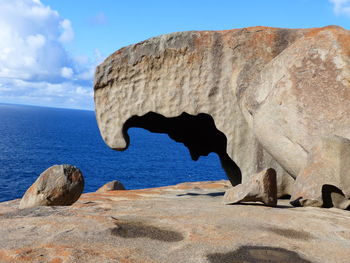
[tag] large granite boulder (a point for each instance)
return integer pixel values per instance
(56, 186)
(259, 97)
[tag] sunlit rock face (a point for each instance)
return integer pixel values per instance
(180, 223)
(58, 185)
(273, 93)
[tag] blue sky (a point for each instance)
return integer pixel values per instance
(50, 48)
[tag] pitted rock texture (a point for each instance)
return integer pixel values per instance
(58, 185)
(274, 93)
(180, 223)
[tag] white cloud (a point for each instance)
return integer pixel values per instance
(341, 7)
(67, 72)
(30, 44)
(35, 67)
(67, 34)
(64, 94)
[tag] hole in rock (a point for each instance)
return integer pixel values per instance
(332, 195)
(197, 132)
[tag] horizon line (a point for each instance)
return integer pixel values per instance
(44, 106)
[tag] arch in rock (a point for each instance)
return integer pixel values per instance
(253, 82)
(197, 132)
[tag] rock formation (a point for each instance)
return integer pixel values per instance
(261, 187)
(179, 223)
(111, 186)
(329, 159)
(58, 185)
(264, 97)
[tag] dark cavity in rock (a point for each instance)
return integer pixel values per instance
(197, 132)
(332, 196)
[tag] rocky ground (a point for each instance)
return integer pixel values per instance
(181, 223)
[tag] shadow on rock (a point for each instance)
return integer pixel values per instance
(257, 254)
(141, 230)
(41, 211)
(262, 205)
(209, 194)
(290, 233)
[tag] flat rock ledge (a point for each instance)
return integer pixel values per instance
(181, 223)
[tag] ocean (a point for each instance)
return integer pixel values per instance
(34, 138)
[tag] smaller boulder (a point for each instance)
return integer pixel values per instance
(262, 187)
(57, 186)
(111, 186)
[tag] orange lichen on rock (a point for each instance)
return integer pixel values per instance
(168, 224)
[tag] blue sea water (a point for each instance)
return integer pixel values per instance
(35, 138)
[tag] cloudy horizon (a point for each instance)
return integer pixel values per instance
(35, 66)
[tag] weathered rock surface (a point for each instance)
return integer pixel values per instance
(111, 186)
(181, 223)
(262, 187)
(58, 185)
(329, 160)
(274, 93)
